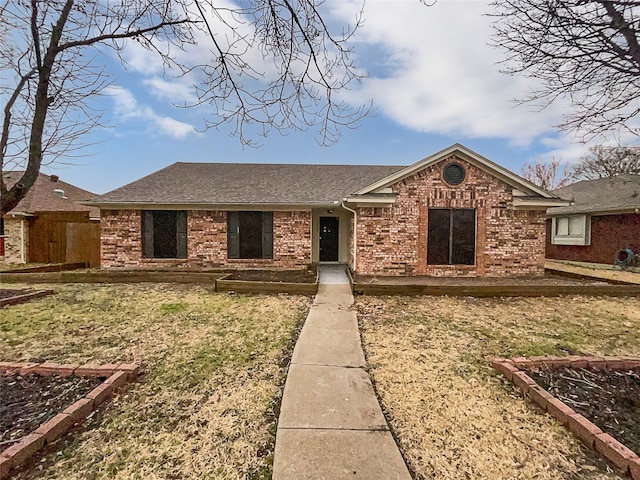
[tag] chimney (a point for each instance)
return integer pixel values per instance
(54, 178)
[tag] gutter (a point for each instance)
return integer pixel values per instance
(355, 233)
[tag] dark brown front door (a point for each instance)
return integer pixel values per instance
(329, 239)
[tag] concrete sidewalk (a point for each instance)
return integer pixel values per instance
(331, 426)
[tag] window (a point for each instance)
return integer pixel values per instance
(571, 230)
(250, 235)
(452, 236)
(454, 174)
(164, 234)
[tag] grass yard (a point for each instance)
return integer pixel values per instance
(455, 418)
(203, 409)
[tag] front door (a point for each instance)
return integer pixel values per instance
(329, 239)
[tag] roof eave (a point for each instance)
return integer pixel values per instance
(255, 206)
(538, 203)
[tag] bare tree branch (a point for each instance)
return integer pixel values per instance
(274, 65)
(587, 52)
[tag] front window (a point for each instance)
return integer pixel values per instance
(249, 235)
(164, 234)
(452, 236)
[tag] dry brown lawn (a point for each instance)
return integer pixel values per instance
(454, 417)
(201, 410)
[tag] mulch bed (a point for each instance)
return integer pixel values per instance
(292, 276)
(28, 401)
(610, 399)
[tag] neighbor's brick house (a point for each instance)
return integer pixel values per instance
(604, 217)
(454, 213)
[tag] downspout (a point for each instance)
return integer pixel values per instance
(23, 255)
(355, 233)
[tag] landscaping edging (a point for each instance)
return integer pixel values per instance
(591, 435)
(25, 297)
(497, 290)
(54, 267)
(116, 375)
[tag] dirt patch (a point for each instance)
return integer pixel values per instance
(610, 399)
(489, 281)
(28, 401)
(292, 276)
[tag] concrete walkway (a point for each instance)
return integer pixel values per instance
(331, 426)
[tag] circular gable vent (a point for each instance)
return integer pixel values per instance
(453, 174)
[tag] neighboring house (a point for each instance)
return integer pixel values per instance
(50, 225)
(454, 213)
(604, 217)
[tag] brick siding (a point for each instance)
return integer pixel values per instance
(609, 233)
(393, 241)
(121, 241)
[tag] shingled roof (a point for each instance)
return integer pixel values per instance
(605, 195)
(42, 198)
(247, 184)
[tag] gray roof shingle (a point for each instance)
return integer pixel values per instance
(615, 194)
(248, 183)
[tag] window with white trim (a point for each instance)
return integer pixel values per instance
(571, 230)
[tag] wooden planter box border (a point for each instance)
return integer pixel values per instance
(246, 286)
(590, 434)
(25, 297)
(117, 376)
(497, 290)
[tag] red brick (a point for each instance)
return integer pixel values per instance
(132, 370)
(520, 362)
(5, 467)
(107, 369)
(11, 367)
(28, 368)
(614, 451)
(56, 427)
(23, 450)
(614, 364)
(630, 363)
(583, 429)
(51, 368)
(556, 362)
(522, 381)
(634, 468)
(80, 409)
(100, 393)
(579, 362)
(540, 396)
(87, 370)
(118, 379)
(559, 410)
(506, 369)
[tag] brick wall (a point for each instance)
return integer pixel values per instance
(393, 241)
(609, 233)
(121, 241)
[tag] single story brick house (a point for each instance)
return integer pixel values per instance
(603, 218)
(50, 224)
(454, 213)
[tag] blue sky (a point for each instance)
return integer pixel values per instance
(432, 77)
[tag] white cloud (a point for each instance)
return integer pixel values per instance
(438, 74)
(178, 91)
(128, 109)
